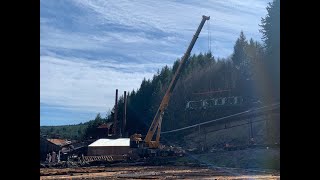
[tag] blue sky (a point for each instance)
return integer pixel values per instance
(89, 48)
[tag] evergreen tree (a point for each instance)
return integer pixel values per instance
(98, 118)
(271, 37)
(239, 56)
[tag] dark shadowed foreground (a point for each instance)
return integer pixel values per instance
(155, 172)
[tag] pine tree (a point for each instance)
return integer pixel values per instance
(239, 56)
(271, 37)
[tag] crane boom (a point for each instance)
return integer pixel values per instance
(157, 120)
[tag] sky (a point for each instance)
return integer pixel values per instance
(90, 48)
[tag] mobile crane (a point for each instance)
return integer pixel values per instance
(157, 120)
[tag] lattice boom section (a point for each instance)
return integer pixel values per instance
(103, 158)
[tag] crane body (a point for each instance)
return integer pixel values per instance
(157, 120)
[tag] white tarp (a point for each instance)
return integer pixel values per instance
(111, 142)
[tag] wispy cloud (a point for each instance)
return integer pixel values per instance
(88, 85)
(180, 19)
(88, 48)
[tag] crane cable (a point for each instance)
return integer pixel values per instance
(209, 37)
(233, 115)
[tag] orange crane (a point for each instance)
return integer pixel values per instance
(157, 120)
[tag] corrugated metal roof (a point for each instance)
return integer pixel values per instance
(104, 125)
(59, 142)
(111, 142)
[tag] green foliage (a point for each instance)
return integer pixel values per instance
(143, 103)
(239, 56)
(271, 28)
(91, 129)
(74, 132)
(271, 37)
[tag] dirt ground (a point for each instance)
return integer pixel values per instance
(154, 172)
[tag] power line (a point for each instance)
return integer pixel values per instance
(236, 125)
(214, 120)
(208, 92)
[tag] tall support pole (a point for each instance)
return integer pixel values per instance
(124, 113)
(115, 122)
